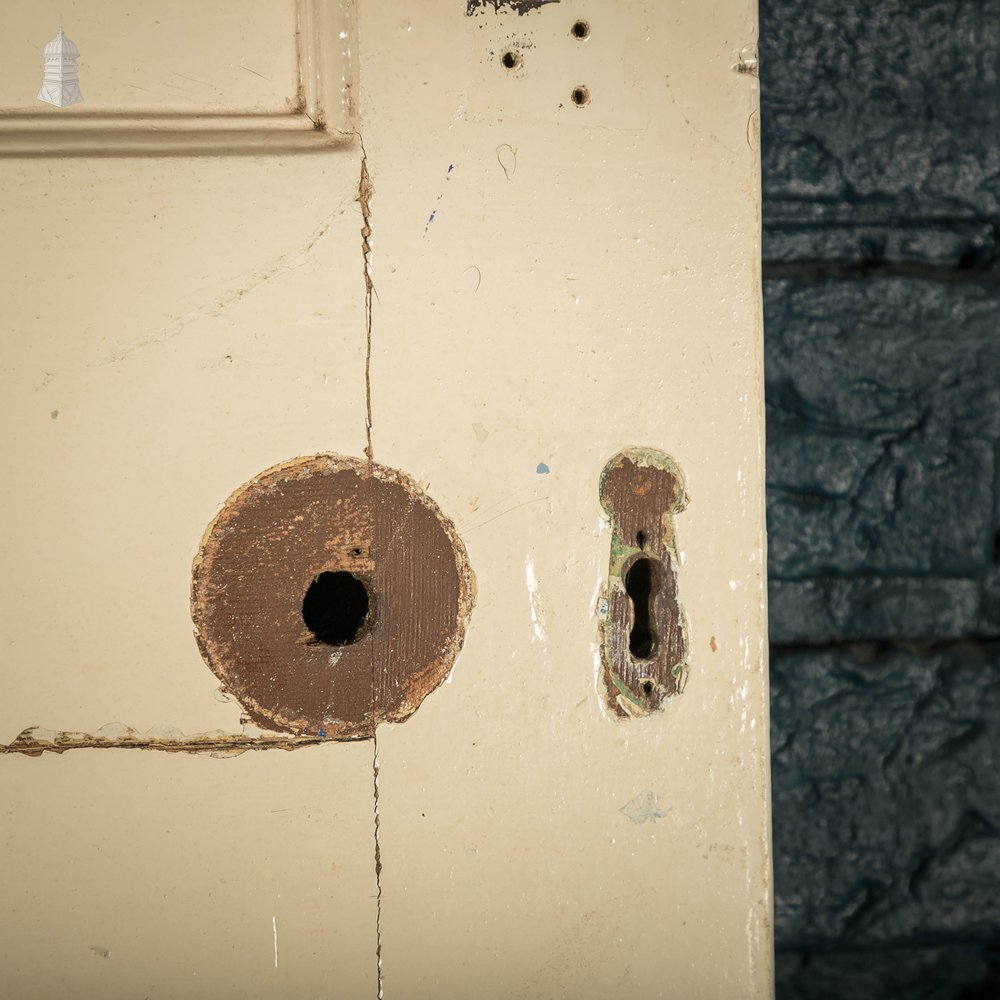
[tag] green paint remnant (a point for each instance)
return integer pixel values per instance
(54, 414)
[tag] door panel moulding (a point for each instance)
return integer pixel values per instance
(321, 113)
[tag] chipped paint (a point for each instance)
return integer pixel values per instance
(519, 7)
(35, 740)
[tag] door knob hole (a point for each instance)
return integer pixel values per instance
(335, 608)
(641, 584)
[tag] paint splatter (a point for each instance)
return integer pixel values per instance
(542, 469)
(643, 808)
(54, 414)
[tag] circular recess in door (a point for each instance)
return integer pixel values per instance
(331, 594)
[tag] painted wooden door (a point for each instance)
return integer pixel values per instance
(382, 513)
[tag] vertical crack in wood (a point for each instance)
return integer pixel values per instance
(365, 192)
(378, 866)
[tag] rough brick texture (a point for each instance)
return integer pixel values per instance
(881, 148)
(879, 129)
(883, 410)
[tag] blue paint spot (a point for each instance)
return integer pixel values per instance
(542, 469)
(322, 734)
(451, 167)
(430, 218)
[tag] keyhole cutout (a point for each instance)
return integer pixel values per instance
(642, 581)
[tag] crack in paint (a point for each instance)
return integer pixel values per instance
(34, 741)
(366, 190)
(364, 198)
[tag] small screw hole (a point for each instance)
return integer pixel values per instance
(581, 30)
(640, 539)
(511, 59)
(355, 552)
(647, 687)
(581, 96)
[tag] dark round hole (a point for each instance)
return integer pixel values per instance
(581, 96)
(511, 59)
(647, 687)
(335, 607)
(640, 538)
(355, 552)
(581, 30)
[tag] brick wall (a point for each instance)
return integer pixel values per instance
(881, 173)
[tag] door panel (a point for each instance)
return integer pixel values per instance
(493, 286)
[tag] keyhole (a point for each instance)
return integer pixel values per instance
(641, 585)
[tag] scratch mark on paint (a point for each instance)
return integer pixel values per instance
(508, 160)
(595, 650)
(248, 283)
(255, 73)
(204, 83)
(274, 926)
(509, 510)
(537, 621)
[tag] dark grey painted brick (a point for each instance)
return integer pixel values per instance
(833, 609)
(966, 244)
(958, 972)
(883, 410)
(886, 791)
(881, 129)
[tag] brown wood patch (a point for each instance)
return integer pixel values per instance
(643, 634)
(330, 515)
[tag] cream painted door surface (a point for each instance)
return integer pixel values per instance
(455, 303)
